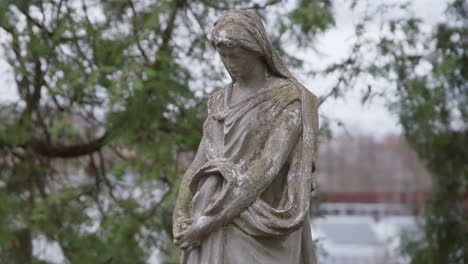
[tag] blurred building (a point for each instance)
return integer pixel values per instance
(362, 239)
(369, 194)
(369, 171)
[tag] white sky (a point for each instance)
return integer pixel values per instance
(373, 118)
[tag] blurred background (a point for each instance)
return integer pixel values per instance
(102, 105)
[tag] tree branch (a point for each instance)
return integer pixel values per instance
(135, 31)
(67, 151)
(167, 33)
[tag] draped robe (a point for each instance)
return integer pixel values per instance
(256, 145)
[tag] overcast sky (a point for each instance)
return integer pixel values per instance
(372, 119)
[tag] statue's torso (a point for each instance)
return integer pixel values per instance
(239, 131)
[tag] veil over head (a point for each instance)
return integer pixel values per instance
(245, 28)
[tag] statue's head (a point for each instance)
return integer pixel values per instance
(241, 33)
(236, 41)
(239, 28)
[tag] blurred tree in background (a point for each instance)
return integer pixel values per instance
(112, 93)
(430, 72)
(424, 74)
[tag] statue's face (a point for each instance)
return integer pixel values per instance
(238, 60)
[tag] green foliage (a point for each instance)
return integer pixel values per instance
(313, 16)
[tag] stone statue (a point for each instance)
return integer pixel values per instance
(245, 197)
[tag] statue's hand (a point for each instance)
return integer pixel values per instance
(181, 224)
(191, 236)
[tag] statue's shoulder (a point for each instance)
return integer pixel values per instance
(311, 96)
(215, 99)
(286, 92)
(303, 92)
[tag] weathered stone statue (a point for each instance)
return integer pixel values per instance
(245, 197)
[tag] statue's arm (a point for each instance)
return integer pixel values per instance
(261, 173)
(181, 215)
(181, 211)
